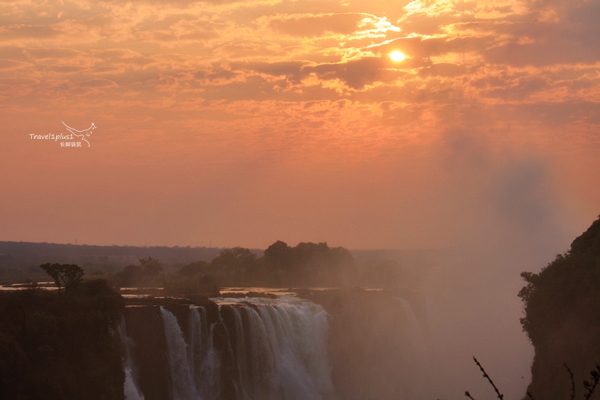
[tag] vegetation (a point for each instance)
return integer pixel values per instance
(589, 386)
(20, 261)
(196, 284)
(562, 315)
(61, 346)
(66, 276)
(307, 264)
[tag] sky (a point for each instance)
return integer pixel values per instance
(364, 124)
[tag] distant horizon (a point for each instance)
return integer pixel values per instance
(218, 247)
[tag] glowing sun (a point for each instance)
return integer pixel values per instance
(397, 56)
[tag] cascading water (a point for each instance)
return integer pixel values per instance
(421, 356)
(203, 358)
(131, 388)
(296, 333)
(182, 386)
(250, 349)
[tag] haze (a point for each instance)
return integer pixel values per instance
(241, 123)
(226, 123)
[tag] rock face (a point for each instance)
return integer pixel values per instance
(371, 345)
(63, 346)
(562, 317)
(145, 327)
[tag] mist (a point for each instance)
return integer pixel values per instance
(395, 165)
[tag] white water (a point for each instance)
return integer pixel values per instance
(419, 378)
(131, 388)
(182, 386)
(297, 334)
(277, 350)
(203, 359)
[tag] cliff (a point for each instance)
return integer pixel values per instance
(562, 317)
(61, 346)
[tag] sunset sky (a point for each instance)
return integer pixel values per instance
(365, 124)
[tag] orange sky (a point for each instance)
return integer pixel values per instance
(245, 122)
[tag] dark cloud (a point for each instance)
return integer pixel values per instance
(541, 54)
(29, 32)
(356, 74)
(45, 53)
(181, 3)
(17, 81)
(8, 64)
(293, 71)
(422, 49)
(218, 74)
(520, 89)
(96, 83)
(443, 69)
(316, 25)
(570, 35)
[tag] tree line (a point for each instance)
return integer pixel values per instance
(306, 264)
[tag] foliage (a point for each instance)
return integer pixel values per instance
(589, 387)
(61, 347)
(131, 276)
(568, 288)
(65, 276)
(151, 266)
(307, 264)
(562, 314)
(310, 264)
(194, 268)
(234, 263)
(148, 273)
(196, 284)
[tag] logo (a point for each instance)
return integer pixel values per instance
(74, 138)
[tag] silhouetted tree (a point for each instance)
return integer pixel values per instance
(64, 275)
(151, 266)
(278, 255)
(237, 262)
(130, 276)
(194, 268)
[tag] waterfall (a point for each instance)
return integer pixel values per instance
(203, 359)
(297, 333)
(250, 349)
(414, 325)
(182, 387)
(131, 387)
(422, 363)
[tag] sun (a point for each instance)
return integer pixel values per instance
(397, 56)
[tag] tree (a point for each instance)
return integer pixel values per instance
(235, 259)
(562, 315)
(151, 266)
(194, 268)
(130, 276)
(64, 275)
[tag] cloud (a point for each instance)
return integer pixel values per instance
(97, 83)
(316, 25)
(51, 53)
(420, 48)
(444, 69)
(10, 64)
(521, 89)
(22, 31)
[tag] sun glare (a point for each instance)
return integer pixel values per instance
(397, 56)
